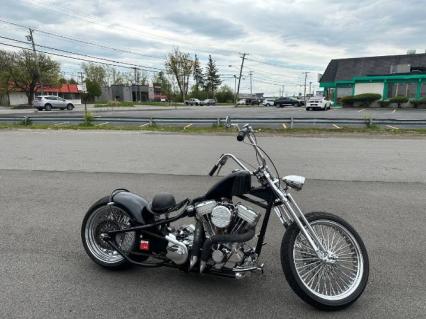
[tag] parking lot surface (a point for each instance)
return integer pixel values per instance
(227, 110)
(49, 179)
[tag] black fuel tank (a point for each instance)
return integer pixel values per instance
(234, 184)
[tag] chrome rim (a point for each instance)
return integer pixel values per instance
(337, 275)
(107, 219)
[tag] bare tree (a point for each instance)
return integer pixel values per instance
(180, 66)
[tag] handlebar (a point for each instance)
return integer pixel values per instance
(213, 170)
(241, 135)
(243, 132)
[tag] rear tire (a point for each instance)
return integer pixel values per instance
(347, 268)
(98, 220)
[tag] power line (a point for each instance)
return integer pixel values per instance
(69, 57)
(80, 41)
(86, 55)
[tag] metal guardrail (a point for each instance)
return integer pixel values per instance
(218, 120)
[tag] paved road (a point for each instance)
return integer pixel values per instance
(365, 159)
(44, 272)
(223, 111)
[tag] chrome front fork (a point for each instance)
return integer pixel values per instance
(289, 211)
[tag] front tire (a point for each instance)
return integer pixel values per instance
(48, 107)
(70, 107)
(333, 284)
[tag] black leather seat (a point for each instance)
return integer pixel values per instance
(162, 202)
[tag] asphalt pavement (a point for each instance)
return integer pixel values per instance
(228, 110)
(49, 179)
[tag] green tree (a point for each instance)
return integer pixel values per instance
(95, 73)
(28, 70)
(93, 89)
(96, 77)
(179, 65)
(225, 94)
(198, 75)
(5, 62)
(161, 79)
(212, 77)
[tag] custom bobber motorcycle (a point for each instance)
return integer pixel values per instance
(323, 258)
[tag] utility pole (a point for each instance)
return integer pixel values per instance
(304, 90)
(235, 89)
(84, 94)
(134, 71)
(31, 38)
(243, 57)
(283, 86)
(310, 86)
(251, 82)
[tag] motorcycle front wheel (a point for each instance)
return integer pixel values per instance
(332, 283)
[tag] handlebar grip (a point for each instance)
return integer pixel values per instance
(213, 170)
(241, 135)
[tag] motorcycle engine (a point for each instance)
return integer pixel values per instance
(224, 217)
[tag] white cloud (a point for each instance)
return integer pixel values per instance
(292, 36)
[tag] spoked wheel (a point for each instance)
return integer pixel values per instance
(332, 282)
(96, 223)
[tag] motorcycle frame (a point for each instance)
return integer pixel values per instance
(269, 192)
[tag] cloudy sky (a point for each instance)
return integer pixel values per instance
(283, 38)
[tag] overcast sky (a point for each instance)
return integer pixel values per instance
(283, 38)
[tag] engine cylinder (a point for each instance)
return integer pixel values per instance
(221, 216)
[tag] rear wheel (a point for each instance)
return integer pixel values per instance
(330, 283)
(96, 223)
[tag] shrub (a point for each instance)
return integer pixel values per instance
(399, 100)
(347, 100)
(26, 121)
(115, 104)
(419, 102)
(367, 98)
(361, 99)
(88, 119)
(384, 103)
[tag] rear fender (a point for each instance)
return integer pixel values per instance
(132, 203)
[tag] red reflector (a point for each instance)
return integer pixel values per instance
(144, 245)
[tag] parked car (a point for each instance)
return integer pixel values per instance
(49, 102)
(283, 101)
(268, 102)
(301, 100)
(318, 103)
(208, 102)
(242, 102)
(193, 101)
